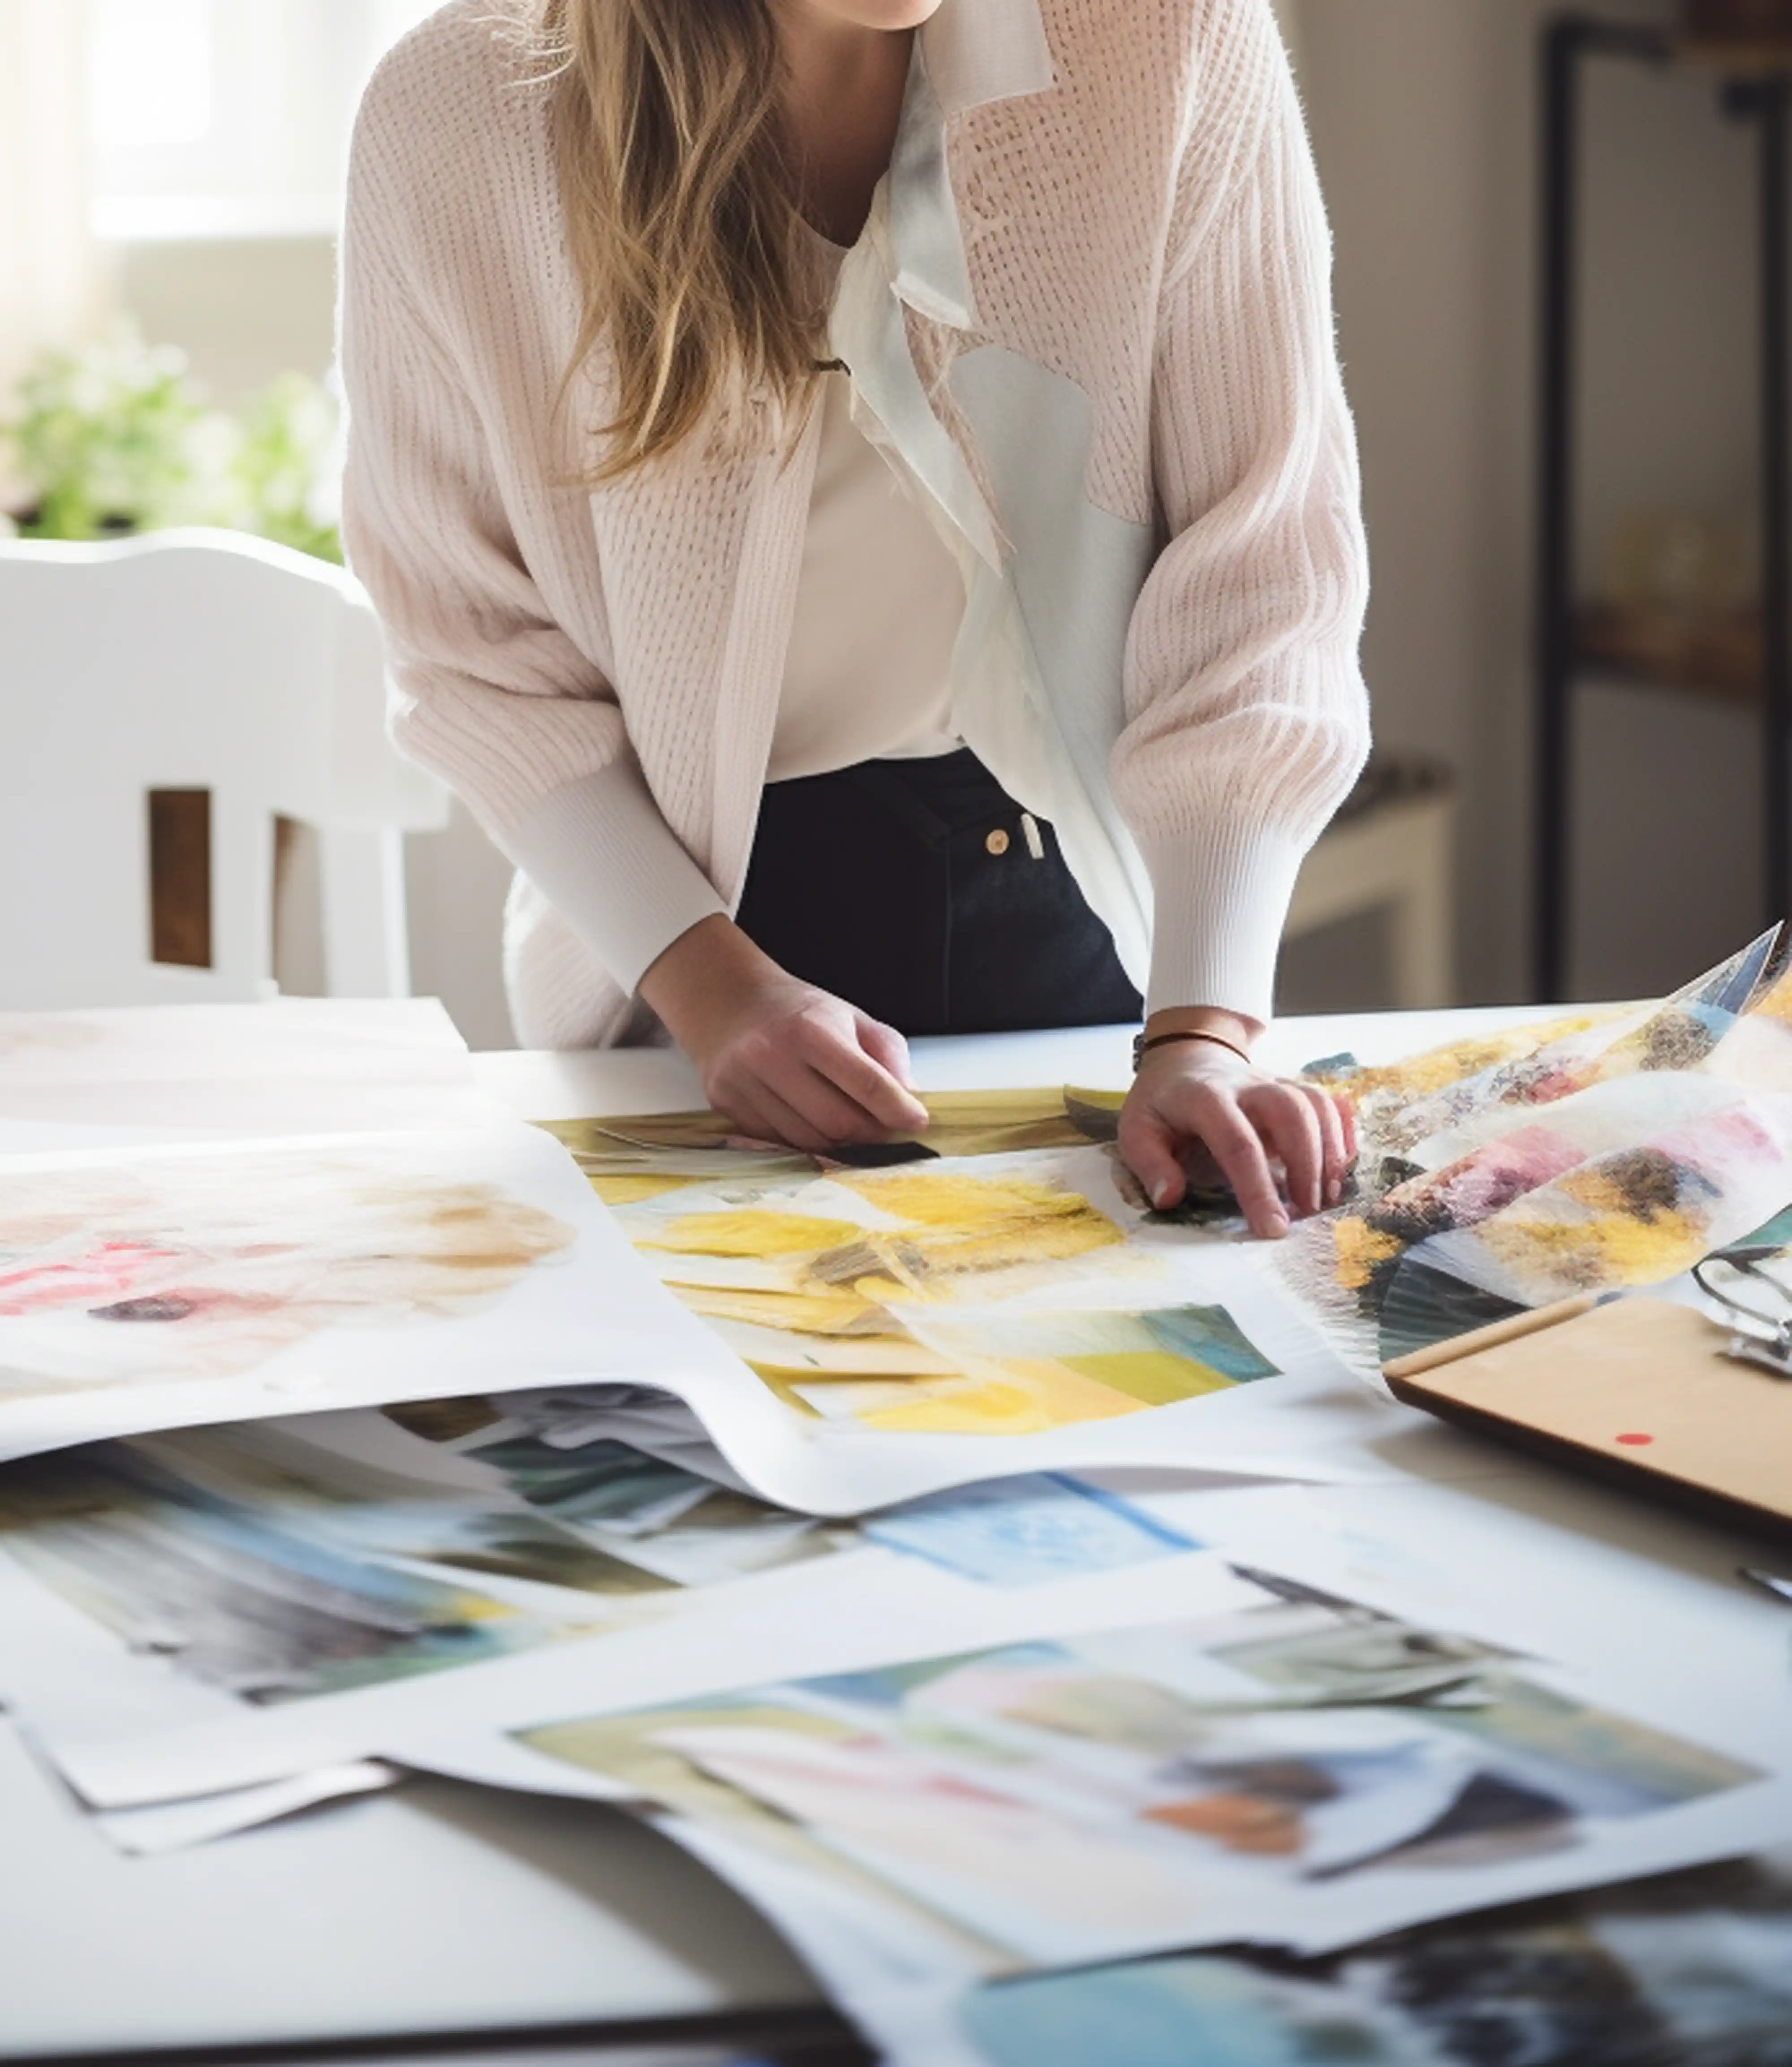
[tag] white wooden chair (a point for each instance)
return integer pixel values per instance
(1391, 849)
(199, 684)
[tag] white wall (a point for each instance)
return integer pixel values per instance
(244, 309)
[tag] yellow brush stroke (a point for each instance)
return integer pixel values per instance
(1034, 1397)
(959, 1227)
(749, 1234)
(782, 1384)
(1778, 1003)
(1358, 1248)
(824, 1313)
(849, 1357)
(1614, 1249)
(963, 1202)
(472, 1609)
(1419, 1075)
(636, 1191)
(1154, 1378)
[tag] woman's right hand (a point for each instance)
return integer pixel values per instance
(783, 1061)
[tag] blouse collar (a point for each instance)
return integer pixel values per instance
(971, 53)
(980, 51)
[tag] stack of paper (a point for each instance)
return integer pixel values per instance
(1201, 1757)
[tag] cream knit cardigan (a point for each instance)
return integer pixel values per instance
(1090, 318)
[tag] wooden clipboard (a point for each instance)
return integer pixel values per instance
(1637, 1390)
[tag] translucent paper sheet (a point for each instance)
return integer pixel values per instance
(1602, 1155)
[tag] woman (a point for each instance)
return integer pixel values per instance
(862, 507)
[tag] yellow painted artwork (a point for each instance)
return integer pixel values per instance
(905, 1300)
(632, 1158)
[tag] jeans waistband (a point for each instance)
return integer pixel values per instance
(936, 797)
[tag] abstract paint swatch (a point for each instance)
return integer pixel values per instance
(940, 1297)
(1610, 1153)
(204, 1266)
(1190, 1782)
(641, 1156)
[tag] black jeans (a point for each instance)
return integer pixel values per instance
(910, 889)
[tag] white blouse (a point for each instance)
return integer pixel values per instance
(879, 604)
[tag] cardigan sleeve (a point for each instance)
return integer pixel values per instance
(486, 689)
(1246, 718)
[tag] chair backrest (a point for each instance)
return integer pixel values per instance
(150, 680)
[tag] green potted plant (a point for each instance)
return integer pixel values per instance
(286, 465)
(116, 437)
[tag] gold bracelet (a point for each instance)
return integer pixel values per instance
(1142, 1047)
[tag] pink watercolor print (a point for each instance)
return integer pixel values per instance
(202, 1267)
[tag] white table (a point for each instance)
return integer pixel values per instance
(443, 1909)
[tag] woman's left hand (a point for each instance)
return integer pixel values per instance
(1195, 1102)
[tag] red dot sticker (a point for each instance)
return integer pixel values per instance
(1636, 1442)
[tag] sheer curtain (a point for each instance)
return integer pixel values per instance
(54, 284)
(228, 118)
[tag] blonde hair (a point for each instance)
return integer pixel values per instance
(682, 219)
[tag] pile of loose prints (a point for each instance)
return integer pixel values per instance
(1032, 1602)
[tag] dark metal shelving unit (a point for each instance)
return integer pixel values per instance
(1758, 89)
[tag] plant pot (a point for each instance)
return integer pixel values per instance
(26, 522)
(1753, 22)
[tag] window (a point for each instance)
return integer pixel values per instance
(228, 118)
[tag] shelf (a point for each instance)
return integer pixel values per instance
(1737, 661)
(1737, 60)
(1392, 779)
(1716, 658)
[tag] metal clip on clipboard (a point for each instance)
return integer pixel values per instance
(1765, 1339)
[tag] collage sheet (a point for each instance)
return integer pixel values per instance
(1032, 1603)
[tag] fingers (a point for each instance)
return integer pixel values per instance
(808, 1076)
(1237, 1147)
(1150, 1149)
(1245, 1128)
(887, 1047)
(869, 1061)
(861, 1101)
(816, 1094)
(1335, 1166)
(799, 1103)
(758, 1111)
(1346, 1113)
(1288, 1118)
